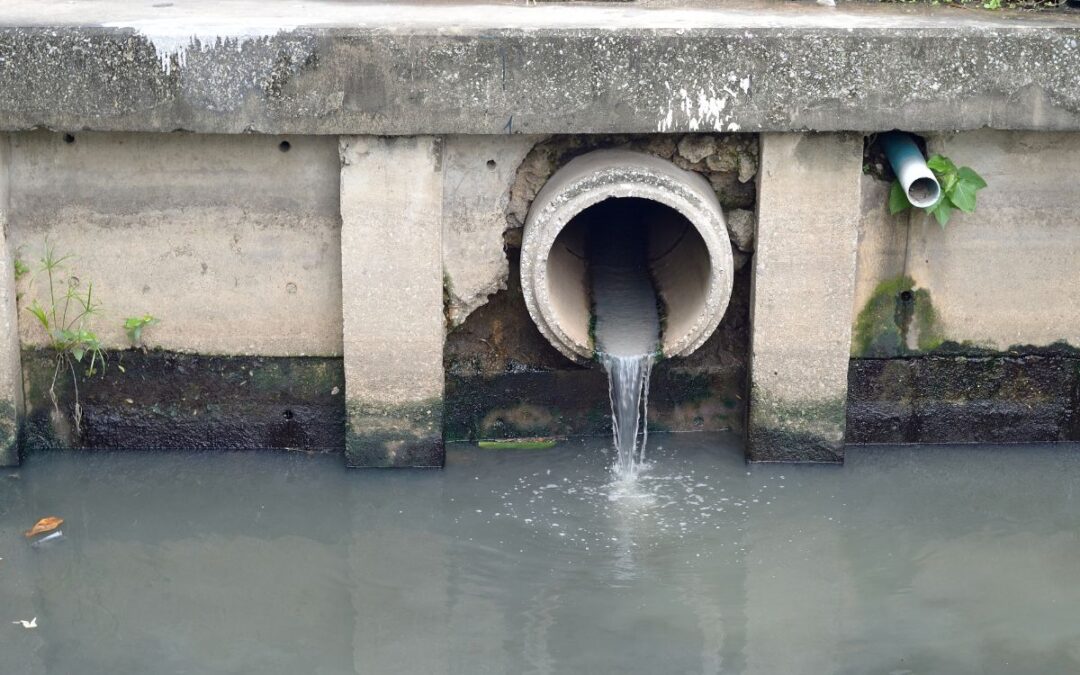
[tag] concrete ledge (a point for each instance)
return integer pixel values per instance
(385, 69)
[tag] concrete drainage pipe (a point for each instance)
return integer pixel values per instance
(689, 254)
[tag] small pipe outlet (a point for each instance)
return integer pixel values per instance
(907, 161)
(688, 250)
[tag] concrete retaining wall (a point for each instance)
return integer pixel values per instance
(324, 208)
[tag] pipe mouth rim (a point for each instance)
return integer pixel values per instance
(924, 192)
(613, 174)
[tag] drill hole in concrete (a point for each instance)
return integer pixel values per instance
(69, 139)
(656, 245)
(491, 164)
(284, 146)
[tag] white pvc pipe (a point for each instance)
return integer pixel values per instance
(907, 161)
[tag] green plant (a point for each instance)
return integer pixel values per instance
(958, 188)
(21, 269)
(67, 321)
(134, 325)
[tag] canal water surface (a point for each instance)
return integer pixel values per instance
(914, 560)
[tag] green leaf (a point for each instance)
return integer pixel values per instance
(963, 196)
(942, 211)
(78, 352)
(941, 165)
(967, 175)
(898, 201)
(39, 313)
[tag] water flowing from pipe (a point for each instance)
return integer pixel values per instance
(627, 330)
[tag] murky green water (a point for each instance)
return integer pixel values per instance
(933, 560)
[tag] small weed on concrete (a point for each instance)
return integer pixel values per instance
(66, 320)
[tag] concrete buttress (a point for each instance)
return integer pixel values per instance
(392, 289)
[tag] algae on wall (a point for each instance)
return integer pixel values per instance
(898, 320)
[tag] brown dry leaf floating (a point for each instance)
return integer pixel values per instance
(44, 525)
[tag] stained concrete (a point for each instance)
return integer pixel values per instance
(11, 394)
(392, 290)
(508, 67)
(803, 286)
(231, 242)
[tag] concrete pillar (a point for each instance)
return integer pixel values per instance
(11, 399)
(392, 289)
(803, 288)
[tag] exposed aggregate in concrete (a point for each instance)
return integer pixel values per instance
(838, 72)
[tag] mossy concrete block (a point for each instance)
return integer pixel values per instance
(802, 294)
(960, 399)
(170, 401)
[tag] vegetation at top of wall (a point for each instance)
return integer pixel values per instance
(958, 188)
(898, 319)
(67, 320)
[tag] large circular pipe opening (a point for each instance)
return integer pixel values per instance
(645, 213)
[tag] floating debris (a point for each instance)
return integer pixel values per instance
(32, 623)
(47, 524)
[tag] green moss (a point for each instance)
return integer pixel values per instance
(926, 321)
(895, 309)
(520, 444)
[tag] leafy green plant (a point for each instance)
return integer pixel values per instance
(67, 321)
(958, 188)
(134, 325)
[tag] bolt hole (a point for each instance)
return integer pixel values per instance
(491, 164)
(288, 414)
(906, 296)
(284, 146)
(69, 139)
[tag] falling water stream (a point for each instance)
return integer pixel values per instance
(627, 327)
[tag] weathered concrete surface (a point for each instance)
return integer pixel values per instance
(1002, 279)
(232, 243)
(803, 286)
(478, 172)
(369, 68)
(392, 287)
(11, 394)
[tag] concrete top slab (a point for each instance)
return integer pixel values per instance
(323, 67)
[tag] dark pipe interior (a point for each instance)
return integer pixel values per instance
(661, 265)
